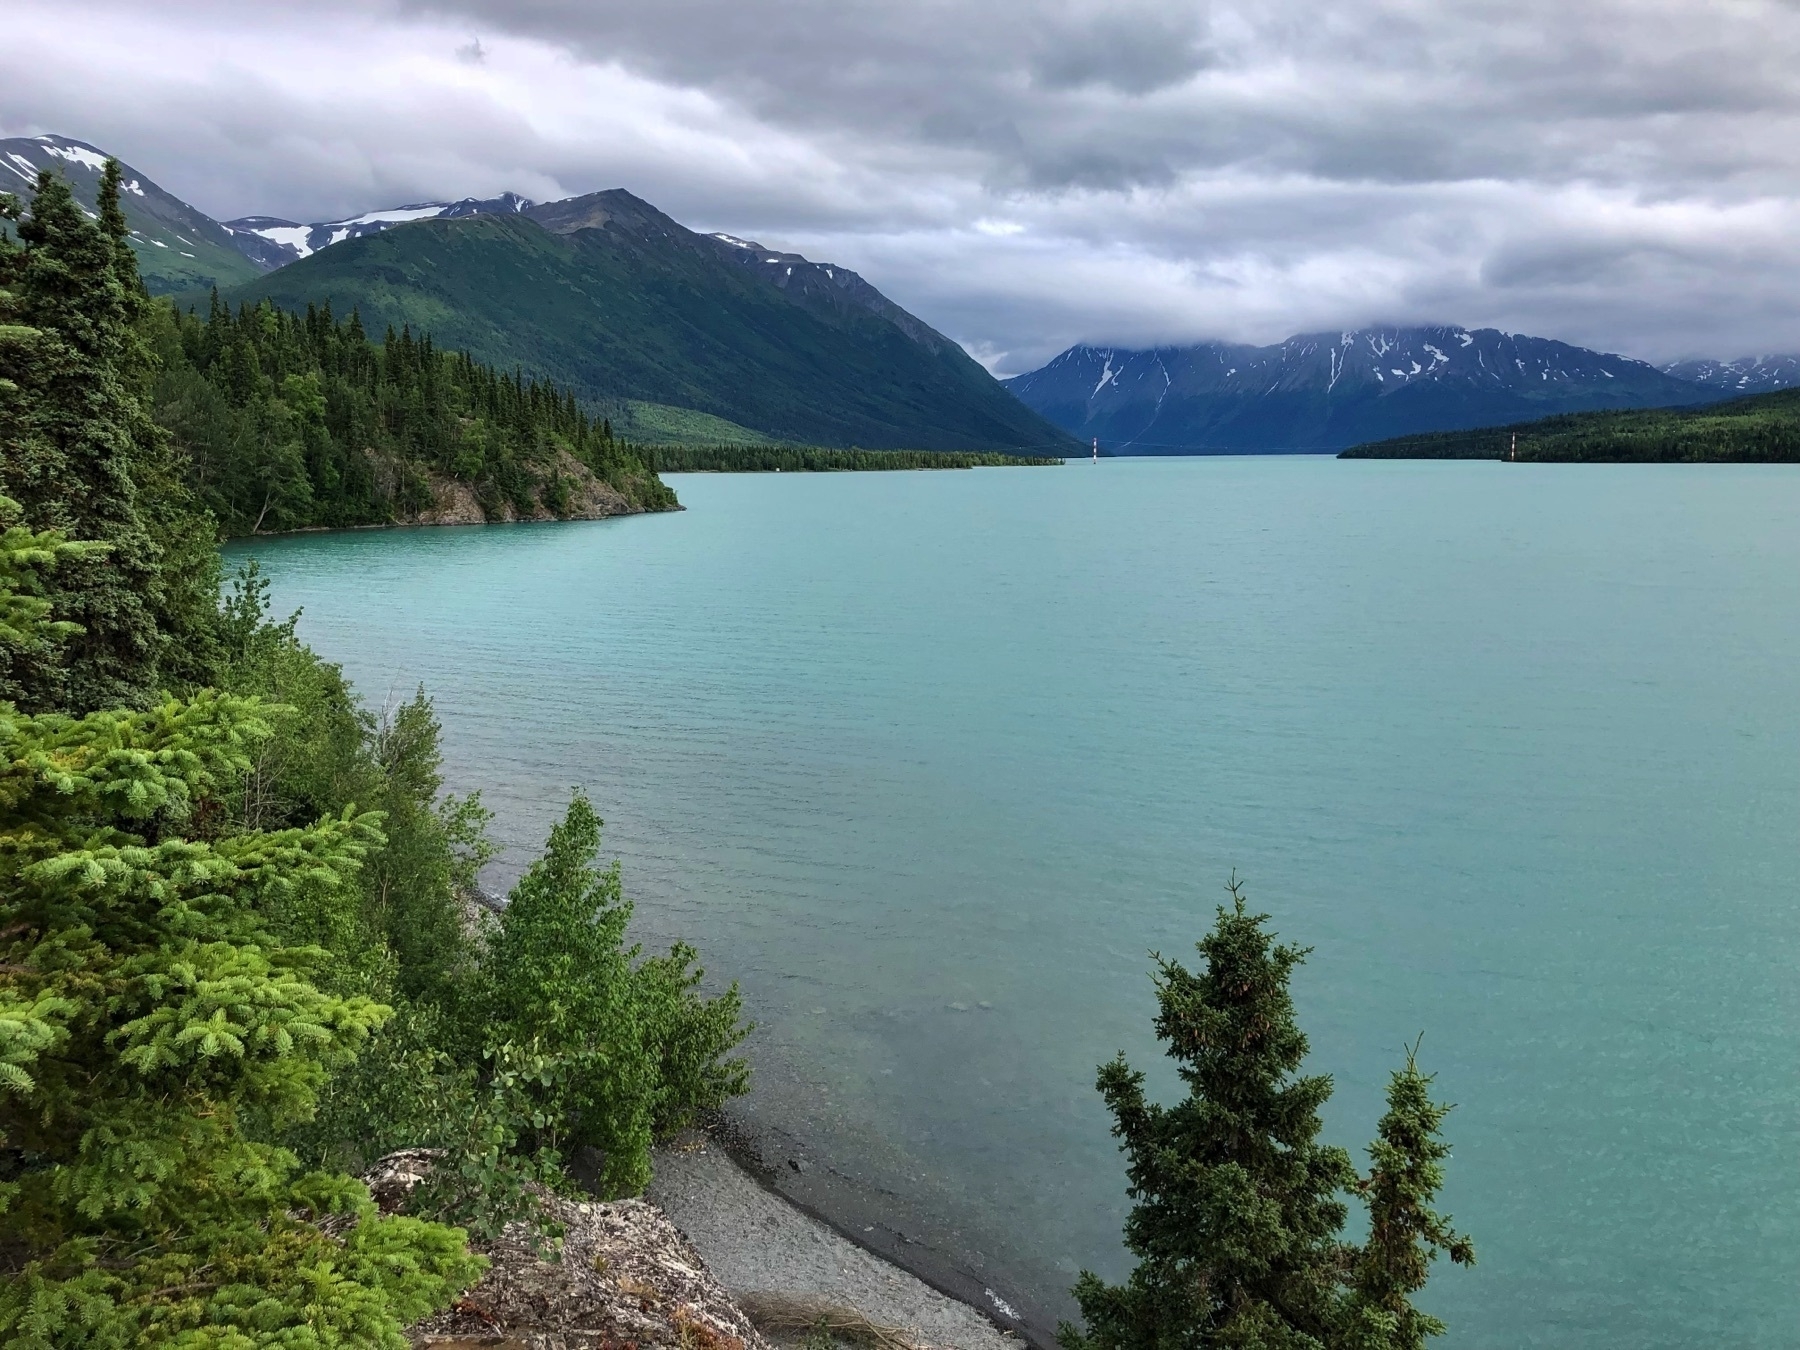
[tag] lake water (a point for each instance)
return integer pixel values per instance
(930, 762)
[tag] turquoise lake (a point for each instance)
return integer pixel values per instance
(931, 762)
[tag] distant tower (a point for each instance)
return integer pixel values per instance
(1515, 448)
(1096, 449)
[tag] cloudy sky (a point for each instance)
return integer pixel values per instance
(1028, 173)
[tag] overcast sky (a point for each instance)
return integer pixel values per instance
(1024, 174)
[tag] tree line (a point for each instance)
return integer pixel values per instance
(819, 459)
(1759, 429)
(239, 958)
(296, 420)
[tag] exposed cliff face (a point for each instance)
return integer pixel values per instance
(586, 498)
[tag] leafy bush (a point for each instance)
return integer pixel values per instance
(605, 1053)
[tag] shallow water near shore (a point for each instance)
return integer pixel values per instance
(930, 762)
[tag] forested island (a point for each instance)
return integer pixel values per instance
(242, 956)
(1761, 429)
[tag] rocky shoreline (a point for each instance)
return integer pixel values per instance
(710, 1259)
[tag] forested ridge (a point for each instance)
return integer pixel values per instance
(242, 957)
(1764, 428)
(296, 420)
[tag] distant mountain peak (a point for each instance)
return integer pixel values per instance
(1325, 391)
(1746, 375)
(178, 248)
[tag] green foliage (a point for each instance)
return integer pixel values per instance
(647, 311)
(436, 845)
(83, 457)
(73, 431)
(1764, 428)
(815, 459)
(1405, 1233)
(1238, 1214)
(29, 637)
(291, 421)
(1240, 1210)
(660, 424)
(214, 960)
(597, 1048)
(150, 1019)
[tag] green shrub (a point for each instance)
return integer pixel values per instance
(151, 1022)
(606, 1051)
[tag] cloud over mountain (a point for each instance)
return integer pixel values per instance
(1624, 174)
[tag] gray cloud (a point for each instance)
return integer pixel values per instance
(1027, 173)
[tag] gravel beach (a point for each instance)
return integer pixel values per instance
(755, 1242)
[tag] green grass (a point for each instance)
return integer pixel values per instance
(1764, 428)
(817, 459)
(664, 424)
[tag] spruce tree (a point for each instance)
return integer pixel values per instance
(1238, 1215)
(75, 432)
(153, 1031)
(1405, 1233)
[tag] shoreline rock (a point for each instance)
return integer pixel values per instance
(757, 1273)
(625, 1276)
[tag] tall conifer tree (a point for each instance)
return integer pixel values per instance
(1405, 1233)
(1238, 1214)
(75, 433)
(153, 1026)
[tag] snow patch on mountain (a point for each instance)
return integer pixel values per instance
(75, 154)
(273, 241)
(1322, 391)
(1746, 375)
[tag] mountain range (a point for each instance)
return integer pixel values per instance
(1327, 391)
(613, 299)
(1747, 375)
(684, 336)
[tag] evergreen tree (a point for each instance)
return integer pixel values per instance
(591, 1047)
(292, 420)
(1405, 1233)
(75, 432)
(1238, 1214)
(152, 1027)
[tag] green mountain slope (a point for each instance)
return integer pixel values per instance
(613, 299)
(178, 248)
(660, 424)
(1764, 428)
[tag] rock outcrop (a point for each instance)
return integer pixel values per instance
(588, 498)
(626, 1280)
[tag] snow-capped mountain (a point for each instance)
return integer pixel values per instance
(1326, 391)
(272, 242)
(1746, 375)
(178, 247)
